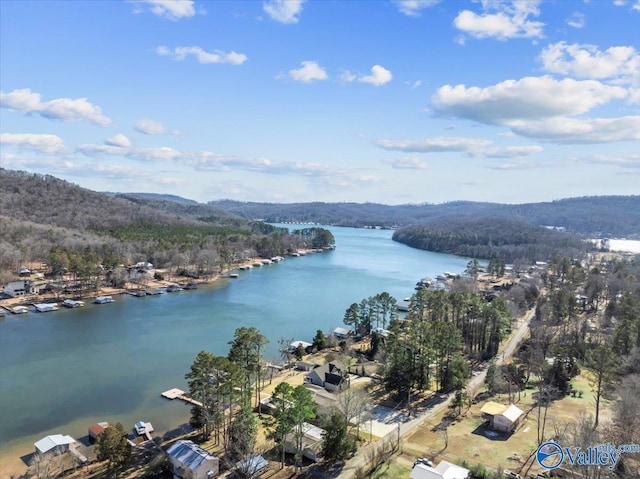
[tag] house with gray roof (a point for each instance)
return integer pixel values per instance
(190, 461)
(54, 444)
(331, 376)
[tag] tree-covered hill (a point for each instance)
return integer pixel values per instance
(46, 219)
(48, 200)
(593, 216)
(489, 238)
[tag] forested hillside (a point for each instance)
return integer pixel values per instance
(593, 216)
(45, 219)
(508, 240)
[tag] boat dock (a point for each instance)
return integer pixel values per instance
(176, 393)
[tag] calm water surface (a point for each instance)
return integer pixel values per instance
(62, 371)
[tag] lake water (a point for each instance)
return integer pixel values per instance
(62, 371)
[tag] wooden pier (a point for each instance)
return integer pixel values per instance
(176, 393)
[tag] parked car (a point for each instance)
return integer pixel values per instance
(423, 460)
(512, 475)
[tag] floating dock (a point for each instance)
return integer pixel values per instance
(176, 393)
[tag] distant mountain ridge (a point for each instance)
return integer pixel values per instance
(592, 216)
(157, 196)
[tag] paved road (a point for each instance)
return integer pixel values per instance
(477, 380)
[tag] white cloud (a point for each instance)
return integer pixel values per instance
(283, 11)
(43, 143)
(581, 131)
(203, 57)
(347, 77)
(413, 8)
(412, 163)
(620, 63)
(502, 20)
(149, 127)
(309, 72)
(162, 153)
(437, 144)
(635, 4)
(379, 76)
(576, 20)
(119, 141)
(65, 109)
(506, 151)
(530, 98)
(623, 160)
(520, 165)
(473, 147)
(171, 9)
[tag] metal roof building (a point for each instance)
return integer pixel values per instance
(190, 461)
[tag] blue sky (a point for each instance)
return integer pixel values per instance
(368, 101)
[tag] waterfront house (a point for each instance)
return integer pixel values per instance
(311, 442)
(444, 470)
(54, 444)
(15, 289)
(383, 333)
(502, 418)
(308, 347)
(331, 376)
(190, 461)
(341, 333)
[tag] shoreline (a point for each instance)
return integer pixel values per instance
(13, 452)
(30, 299)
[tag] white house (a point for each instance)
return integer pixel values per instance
(444, 470)
(190, 461)
(311, 442)
(296, 344)
(18, 288)
(502, 418)
(54, 444)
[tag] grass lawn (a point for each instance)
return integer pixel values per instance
(391, 470)
(468, 439)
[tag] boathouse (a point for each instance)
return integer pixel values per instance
(96, 429)
(55, 444)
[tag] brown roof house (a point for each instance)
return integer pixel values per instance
(331, 376)
(502, 418)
